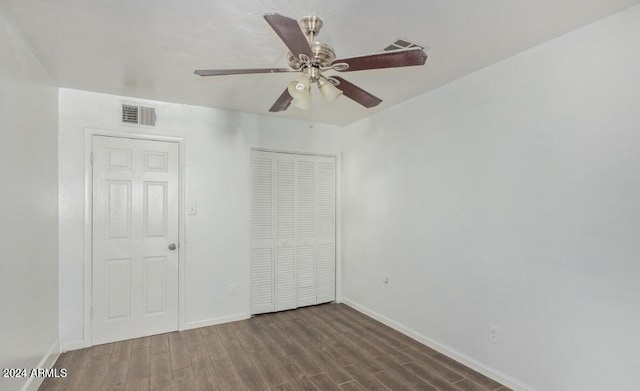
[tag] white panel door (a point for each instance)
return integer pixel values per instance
(285, 213)
(326, 229)
(306, 230)
(262, 232)
(135, 221)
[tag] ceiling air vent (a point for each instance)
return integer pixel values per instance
(402, 43)
(138, 115)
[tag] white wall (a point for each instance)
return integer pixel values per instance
(28, 209)
(510, 198)
(218, 145)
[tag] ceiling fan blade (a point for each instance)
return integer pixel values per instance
(356, 93)
(223, 72)
(391, 59)
(290, 33)
(282, 103)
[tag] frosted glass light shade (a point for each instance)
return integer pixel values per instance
(329, 92)
(303, 104)
(299, 89)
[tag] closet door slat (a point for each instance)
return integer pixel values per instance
(285, 213)
(326, 229)
(306, 229)
(262, 232)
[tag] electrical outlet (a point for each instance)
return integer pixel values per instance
(233, 290)
(493, 335)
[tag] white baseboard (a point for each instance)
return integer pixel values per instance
(80, 344)
(47, 361)
(214, 321)
(72, 345)
(447, 351)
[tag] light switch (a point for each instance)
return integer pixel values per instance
(192, 209)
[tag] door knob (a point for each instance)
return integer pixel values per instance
(172, 246)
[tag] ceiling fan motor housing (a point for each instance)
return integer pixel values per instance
(323, 54)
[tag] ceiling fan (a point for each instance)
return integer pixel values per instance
(313, 58)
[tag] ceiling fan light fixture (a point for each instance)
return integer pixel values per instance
(299, 90)
(329, 91)
(302, 104)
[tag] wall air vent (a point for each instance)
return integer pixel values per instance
(402, 43)
(138, 115)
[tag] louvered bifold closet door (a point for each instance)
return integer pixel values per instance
(285, 215)
(326, 229)
(262, 231)
(306, 230)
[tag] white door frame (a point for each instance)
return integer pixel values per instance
(88, 220)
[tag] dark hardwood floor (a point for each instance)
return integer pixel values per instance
(326, 347)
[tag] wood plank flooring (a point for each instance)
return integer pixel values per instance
(327, 347)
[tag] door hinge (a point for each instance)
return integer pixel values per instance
(92, 156)
(91, 313)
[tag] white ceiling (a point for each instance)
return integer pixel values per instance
(150, 48)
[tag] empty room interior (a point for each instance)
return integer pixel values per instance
(320, 195)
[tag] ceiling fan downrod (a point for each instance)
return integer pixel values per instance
(311, 26)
